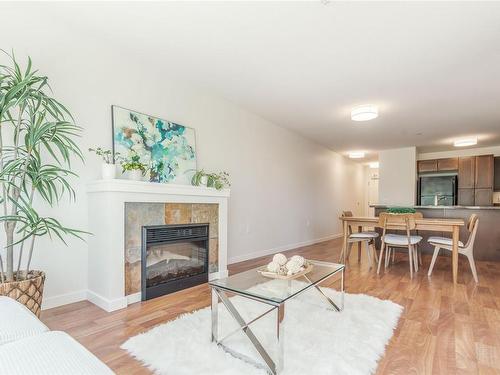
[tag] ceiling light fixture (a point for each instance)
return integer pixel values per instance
(356, 154)
(374, 164)
(364, 112)
(465, 142)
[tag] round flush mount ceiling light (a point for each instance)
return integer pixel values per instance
(356, 154)
(364, 112)
(465, 142)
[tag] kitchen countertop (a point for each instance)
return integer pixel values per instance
(441, 207)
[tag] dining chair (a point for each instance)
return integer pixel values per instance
(390, 249)
(404, 222)
(363, 237)
(467, 249)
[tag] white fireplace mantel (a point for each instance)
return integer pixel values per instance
(106, 200)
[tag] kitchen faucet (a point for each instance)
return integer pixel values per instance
(438, 198)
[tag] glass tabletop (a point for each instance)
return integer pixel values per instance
(252, 284)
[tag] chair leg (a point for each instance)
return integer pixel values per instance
(380, 257)
(410, 257)
(393, 255)
(368, 254)
(374, 251)
(419, 251)
(433, 261)
(349, 251)
(415, 258)
(472, 267)
(387, 256)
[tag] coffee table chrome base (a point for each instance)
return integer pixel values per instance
(271, 366)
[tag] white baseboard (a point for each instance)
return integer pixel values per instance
(105, 303)
(133, 298)
(64, 299)
(274, 250)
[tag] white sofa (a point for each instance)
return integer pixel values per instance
(28, 347)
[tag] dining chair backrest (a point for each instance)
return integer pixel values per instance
(405, 222)
(397, 221)
(471, 222)
(418, 215)
(472, 225)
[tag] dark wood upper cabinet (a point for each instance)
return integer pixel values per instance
(496, 185)
(427, 166)
(448, 164)
(484, 172)
(466, 172)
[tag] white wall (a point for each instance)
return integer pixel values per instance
(286, 190)
(397, 176)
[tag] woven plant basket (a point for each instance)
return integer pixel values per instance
(28, 292)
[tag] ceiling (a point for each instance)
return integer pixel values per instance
(433, 68)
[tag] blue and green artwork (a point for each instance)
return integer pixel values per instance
(167, 148)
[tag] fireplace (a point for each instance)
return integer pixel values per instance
(173, 257)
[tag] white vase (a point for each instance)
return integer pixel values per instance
(135, 175)
(108, 171)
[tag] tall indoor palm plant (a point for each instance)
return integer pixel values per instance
(36, 146)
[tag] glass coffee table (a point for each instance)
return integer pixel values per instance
(245, 284)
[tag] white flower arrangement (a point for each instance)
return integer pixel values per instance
(280, 265)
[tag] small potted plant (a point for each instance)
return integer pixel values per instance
(133, 166)
(108, 165)
(214, 180)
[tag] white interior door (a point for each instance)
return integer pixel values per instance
(372, 195)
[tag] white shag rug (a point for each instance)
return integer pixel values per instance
(317, 340)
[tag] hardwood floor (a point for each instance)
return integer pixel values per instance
(443, 330)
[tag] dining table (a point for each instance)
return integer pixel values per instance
(421, 224)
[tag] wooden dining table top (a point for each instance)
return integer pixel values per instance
(438, 224)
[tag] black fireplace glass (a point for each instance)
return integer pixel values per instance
(174, 257)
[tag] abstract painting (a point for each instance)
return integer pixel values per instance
(166, 148)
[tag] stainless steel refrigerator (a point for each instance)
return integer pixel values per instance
(438, 190)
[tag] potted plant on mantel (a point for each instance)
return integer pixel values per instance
(108, 162)
(36, 145)
(133, 166)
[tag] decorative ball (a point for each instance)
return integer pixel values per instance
(293, 267)
(280, 259)
(274, 267)
(300, 260)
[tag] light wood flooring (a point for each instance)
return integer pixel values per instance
(444, 329)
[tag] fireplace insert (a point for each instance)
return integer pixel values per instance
(174, 257)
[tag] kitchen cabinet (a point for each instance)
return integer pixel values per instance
(424, 166)
(496, 185)
(478, 176)
(466, 197)
(466, 172)
(483, 197)
(484, 172)
(448, 164)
